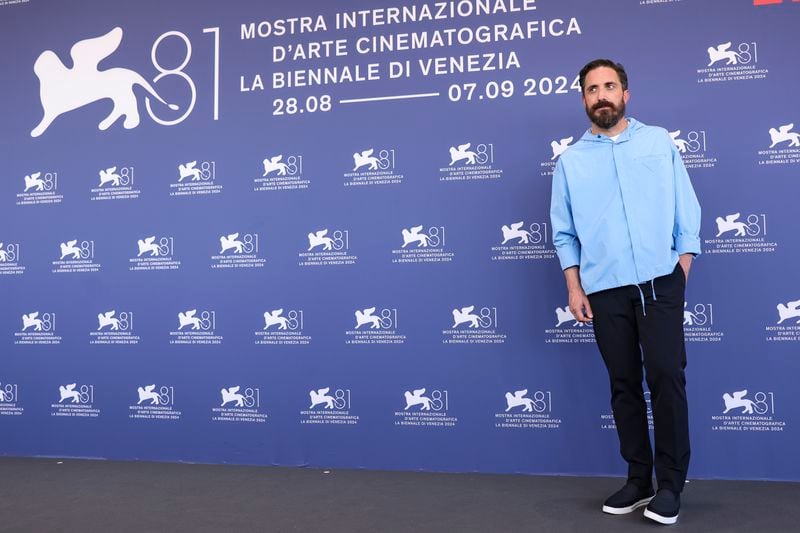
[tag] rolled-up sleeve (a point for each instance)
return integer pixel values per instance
(565, 238)
(686, 230)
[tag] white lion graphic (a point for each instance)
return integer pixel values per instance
(65, 89)
(737, 400)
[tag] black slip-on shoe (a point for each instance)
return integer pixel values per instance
(664, 507)
(628, 499)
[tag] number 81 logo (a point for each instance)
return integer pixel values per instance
(10, 253)
(179, 72)
(8, 393)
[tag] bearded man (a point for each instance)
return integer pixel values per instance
(626, 225)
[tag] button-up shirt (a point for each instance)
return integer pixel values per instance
(623, 210)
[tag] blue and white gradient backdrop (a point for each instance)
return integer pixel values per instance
(275, 266)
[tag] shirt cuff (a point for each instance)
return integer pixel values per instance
(569, 255)
(687, 244)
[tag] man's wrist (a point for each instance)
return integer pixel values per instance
(572, 275)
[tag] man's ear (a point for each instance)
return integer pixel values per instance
(626, 95)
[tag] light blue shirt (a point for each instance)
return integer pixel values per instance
(623, 211)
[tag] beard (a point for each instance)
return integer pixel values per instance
(605, 115)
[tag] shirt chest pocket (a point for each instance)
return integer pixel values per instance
(653, 175)
(656, 163)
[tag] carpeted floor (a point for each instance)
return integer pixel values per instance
(43, 495)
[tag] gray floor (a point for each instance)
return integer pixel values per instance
(88, 496)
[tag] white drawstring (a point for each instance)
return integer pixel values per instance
(641, 295)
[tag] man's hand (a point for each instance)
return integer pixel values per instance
(685, 260)
(578, 302)
(579, 305)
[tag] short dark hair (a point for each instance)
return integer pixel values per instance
(591, 65)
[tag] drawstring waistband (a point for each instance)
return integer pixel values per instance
(641, 295)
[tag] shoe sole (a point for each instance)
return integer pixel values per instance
(660, 519)
(626, 510)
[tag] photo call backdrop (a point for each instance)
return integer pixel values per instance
(317, 233)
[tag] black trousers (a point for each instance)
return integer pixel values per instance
(628, 334)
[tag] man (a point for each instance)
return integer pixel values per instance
(626, 225)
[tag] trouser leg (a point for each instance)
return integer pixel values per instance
(615, 330)
(661, 337)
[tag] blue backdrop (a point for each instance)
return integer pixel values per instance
(338, 205)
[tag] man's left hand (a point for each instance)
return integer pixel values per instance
(685, 261)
